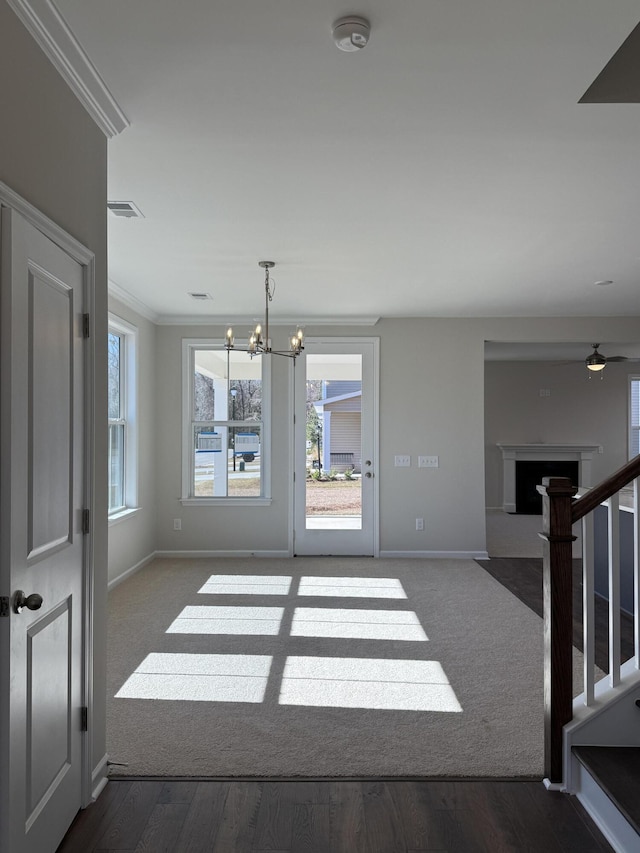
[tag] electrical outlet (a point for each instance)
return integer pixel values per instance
(177, 524)
(428, 462)
(419, 523)
(545, 392)
(402, 461)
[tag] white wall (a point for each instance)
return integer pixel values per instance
(55, 157)
(578, 410)
(133, 539)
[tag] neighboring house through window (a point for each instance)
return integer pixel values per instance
(122, 417)
(225, 424)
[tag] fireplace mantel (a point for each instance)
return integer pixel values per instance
(542, 451)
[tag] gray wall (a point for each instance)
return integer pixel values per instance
(421, 411)
(133, 539)
(579, 409)
(432, 401)
(55, 157)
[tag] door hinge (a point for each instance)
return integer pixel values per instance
(86, 521)
(84, 719)
(4, 605)
(86, 326)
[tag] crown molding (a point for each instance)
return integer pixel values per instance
(132, 302)
(251, 320)
(54, 36)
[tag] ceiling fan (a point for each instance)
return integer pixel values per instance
(596, 361)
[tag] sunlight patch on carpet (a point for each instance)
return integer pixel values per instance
(357, 624)
(264, 621)
(247, 585)
(399, 685)
(199, 678)
(352, 587)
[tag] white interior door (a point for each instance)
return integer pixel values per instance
(336, 447)
(42, 550)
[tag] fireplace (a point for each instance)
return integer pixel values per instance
(554, 454)
(529, 475)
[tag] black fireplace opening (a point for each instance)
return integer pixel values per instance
(530, 474)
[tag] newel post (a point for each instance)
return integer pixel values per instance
(557, 494)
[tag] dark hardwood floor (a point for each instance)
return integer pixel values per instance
(191, 816)
(523, 577)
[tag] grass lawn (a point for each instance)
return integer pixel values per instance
(330, 497)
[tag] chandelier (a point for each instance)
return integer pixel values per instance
(259, 340)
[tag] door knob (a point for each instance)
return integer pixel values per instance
(368, 462)
(368, 474)
(31, 602)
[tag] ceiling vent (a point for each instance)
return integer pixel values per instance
(201, 297)
(124, 210)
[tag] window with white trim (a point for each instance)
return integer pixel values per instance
(634, 416)
(122, 451)
(225, 424)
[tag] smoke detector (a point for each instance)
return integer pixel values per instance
(351, 33)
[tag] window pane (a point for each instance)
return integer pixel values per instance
(114, 360)
(227, 386)
(634, 437)
(334, 424)
(227, 461)
(116, 466)
(210, 386)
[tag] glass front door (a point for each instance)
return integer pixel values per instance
(336, 434)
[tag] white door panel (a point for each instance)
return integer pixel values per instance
(42, 552)
(342, 377)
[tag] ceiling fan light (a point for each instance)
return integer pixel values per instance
(596, 361)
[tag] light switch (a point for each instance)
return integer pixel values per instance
(428, 462)
(402, 461)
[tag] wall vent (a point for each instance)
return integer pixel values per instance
(124, 209)
(200, 296)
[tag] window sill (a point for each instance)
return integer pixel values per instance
(225, 501)
(123, 515)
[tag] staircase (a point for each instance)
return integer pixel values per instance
(592, 742)
(609, 783)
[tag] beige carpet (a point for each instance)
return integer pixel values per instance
(480, 670)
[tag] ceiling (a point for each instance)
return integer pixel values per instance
(445, 170)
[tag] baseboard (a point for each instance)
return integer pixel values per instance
(437, 555)
(99, 778)
(280, 554)
(128, 572)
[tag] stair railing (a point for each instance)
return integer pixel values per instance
(560, 511)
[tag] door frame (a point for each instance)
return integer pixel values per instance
(86, 258)
(375, 455)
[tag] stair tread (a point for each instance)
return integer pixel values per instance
(617, 770)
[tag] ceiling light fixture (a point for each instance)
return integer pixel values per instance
(596, 361)
(259, 340)
(351, 33)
